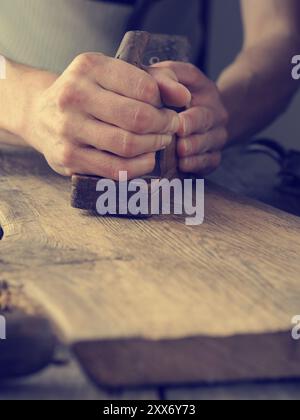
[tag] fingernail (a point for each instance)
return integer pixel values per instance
(166, 141)
(175, 123)
(142, 164)
(183, 126)
(189, 98)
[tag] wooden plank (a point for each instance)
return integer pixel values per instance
(222, 293)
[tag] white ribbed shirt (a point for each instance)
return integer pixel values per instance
(49, 34)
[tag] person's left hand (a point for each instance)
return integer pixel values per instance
(203, 133)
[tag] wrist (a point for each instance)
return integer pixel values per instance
(18, 94)
(35, 83)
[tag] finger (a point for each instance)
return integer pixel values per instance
(197, 144)
(172, 92)
(201, 164)
(120, 142)
(129, 114)
(90, 161)
(198, 120)
(187, 74)
(117, 76)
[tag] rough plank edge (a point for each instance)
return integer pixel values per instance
(131, 363)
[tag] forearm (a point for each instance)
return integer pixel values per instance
(258, 86)
(17, 93)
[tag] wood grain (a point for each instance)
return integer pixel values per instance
(200, 304)
(133, 47)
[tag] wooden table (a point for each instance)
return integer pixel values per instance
(150, 302)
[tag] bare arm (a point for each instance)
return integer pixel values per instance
(258, 86)
(250, 93)
(17, 92)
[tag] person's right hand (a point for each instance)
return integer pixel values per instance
(102, 116)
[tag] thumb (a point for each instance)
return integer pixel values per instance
(173, 93)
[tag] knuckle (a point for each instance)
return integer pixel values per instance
(69, 95)
(83, 63)
(141, 120)
(127, 146)
(66, 155)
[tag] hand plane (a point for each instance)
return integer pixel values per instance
(139, 49)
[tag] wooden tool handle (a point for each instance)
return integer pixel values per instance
(133, 47)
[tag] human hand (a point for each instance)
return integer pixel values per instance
(202, 132)
(103, 116)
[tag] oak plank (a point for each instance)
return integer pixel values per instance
(116, 288)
